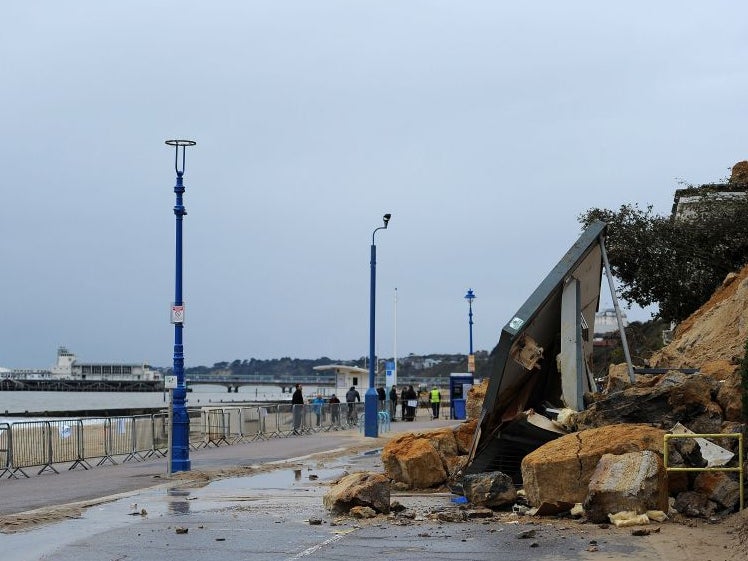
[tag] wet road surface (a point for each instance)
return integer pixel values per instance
(267, 517)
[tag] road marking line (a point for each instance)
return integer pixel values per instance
(308, 551)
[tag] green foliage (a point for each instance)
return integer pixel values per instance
(676, 264)
(643, 339)
(744, 382)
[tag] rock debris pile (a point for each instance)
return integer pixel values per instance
(610, 466)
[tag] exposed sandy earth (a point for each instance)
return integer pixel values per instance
(717, 331)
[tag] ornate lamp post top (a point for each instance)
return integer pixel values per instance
(470, 296)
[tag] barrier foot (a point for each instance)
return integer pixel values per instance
(106, 459)
(83, 463)
(45, 468)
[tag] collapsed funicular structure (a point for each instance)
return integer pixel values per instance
(541, 364)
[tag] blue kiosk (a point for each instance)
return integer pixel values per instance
(458, 387)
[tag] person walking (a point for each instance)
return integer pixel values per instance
(335, 410)
(412, 401)
(351, 397)
(297, 406)
(317, 404)
(393, 402)
(435, 398)
(404, 402)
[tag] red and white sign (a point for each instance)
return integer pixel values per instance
(177, 313)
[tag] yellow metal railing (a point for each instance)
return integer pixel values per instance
(738, 468)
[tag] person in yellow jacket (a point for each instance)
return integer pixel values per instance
(435, 398)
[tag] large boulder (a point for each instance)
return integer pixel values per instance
(560, 470)
(636, 481)
(427, 459)
(359, 490)
(489, 489)
(413, 459)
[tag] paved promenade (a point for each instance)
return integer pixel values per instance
(136, 512)
(50, 489)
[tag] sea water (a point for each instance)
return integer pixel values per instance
(19, 404)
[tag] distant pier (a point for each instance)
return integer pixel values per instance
(61, 385)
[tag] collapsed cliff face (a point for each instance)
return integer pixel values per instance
(711, 340)
(713, 337)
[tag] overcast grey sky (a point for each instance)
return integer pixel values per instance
(484, 127)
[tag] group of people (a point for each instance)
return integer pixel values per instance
(318, 402)
(408, 404)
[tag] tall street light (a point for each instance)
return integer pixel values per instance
(470, 296)
(180, 425)
(371, 427)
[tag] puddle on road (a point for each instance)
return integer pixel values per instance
(260, 487)
(281, 479)
(182, 501)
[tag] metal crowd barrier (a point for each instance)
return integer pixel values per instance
(5, 449)
(95, 441)
(383, 421)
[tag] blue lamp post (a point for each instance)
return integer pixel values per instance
(180, 426)
(470, 296)
(371, 427)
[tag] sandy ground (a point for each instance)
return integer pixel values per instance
(681, 538)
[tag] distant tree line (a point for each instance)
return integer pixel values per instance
(411, 366)
(285, 366)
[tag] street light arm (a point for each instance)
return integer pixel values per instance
(375, 231)
(386, 219)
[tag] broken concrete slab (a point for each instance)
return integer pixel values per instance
(636, 481)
